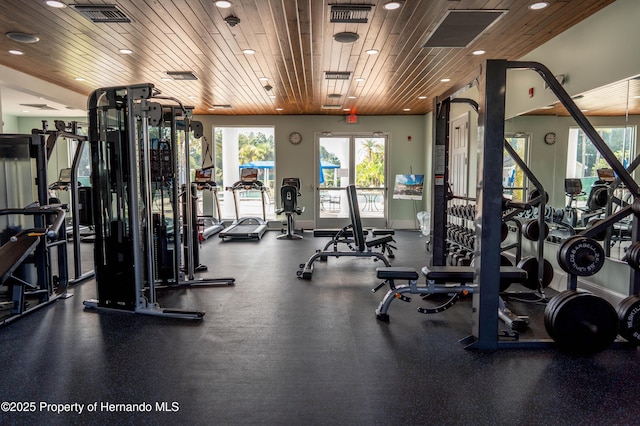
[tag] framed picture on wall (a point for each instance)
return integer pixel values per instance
(408, 187)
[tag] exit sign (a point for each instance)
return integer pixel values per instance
(352, 118)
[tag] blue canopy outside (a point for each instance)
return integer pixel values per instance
(268, 164)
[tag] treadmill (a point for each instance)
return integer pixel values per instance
(248, 228)
(208, 225)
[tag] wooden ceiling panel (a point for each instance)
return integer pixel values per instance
(294, 45)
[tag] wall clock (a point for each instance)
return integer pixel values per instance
(295, 138)
(550, 138)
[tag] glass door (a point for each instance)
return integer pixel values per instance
(351, 159)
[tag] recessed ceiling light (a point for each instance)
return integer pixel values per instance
(445, 80)
(16, 52)
(25, 110)
(264, 79)
(248, 51)
(211, 109)
(636, 97)
(223, 4)
(57, 4)
(371, 52)
(278, 109)
(22, 37)
(166, 79)
(406, 109)
(422, 97)
(80, 79)
(538, 5)
(272, 96)
(392, 5)
(126, 51)
(478, 52)
(360, 79)
(346, 109)
(351, 97)
(192, 97)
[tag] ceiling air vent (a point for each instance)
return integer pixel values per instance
(182, 75)
(337, 75)
(101, 13)
(459, 28)
(42, 107)
(329, 106)
(350, 13)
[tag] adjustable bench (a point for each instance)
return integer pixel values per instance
(358, 245)
(439, 281)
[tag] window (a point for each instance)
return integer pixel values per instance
(514, 181)
(584, 160)
(241, 147)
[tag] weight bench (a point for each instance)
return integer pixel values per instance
(451, 280)
(359, 246)
(12, 254)
(345, 236)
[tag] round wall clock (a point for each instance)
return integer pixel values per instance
(295, 138)
(550, 138)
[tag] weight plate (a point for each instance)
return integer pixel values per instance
(582, 323)
(581, 256)
(550, 309)
(504, 231)
(530, 264)
(505, 261)
(535, 194)
(629, 316)
(531, 230)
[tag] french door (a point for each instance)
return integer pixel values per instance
(347, 159)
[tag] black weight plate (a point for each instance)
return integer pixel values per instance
(584, 324)
(550, 309)
(629, 316)
(505, 261)
(530, 264)
(504, 231)
(581, 256)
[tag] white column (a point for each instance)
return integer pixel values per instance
(230, 168)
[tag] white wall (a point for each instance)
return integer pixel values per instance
(598, 51)
(299, 160)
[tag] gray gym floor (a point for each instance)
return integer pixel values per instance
(277, 350)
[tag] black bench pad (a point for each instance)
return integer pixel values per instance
(464, 274)
(379, 240)
(332, 233)
(383, 231)
(397, 273)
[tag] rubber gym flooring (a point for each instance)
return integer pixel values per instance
(275, 350)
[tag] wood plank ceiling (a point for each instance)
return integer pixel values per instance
(294, 47)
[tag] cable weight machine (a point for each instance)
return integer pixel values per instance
(134, 152)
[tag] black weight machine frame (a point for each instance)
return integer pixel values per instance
(48, 286)
(492, 85)
(71, 132)
(119, 125)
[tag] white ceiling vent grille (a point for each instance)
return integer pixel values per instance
(42, 107)
(330, 106)
(182, 75)
(350, 13)
(337, 75)
(459, 28)
(102, 13)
